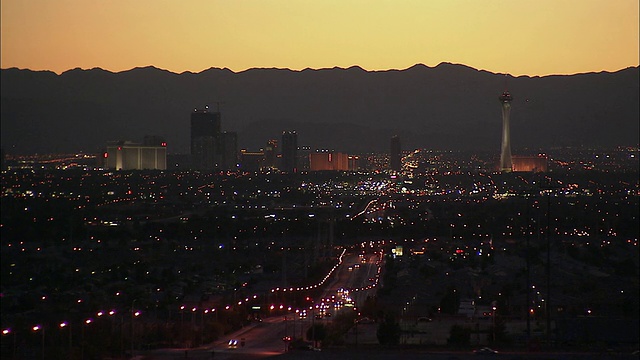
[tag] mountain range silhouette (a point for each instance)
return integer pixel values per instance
(446, 107)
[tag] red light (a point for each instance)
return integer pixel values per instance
(119, 148)
(105, 155)
(164, 144)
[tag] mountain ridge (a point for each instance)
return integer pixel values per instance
(417, 65)
(449, 106)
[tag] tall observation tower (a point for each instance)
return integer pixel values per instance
(506, 164)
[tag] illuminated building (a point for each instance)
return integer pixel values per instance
(376, 162)
(506, 164)
(303, 157)
(251, 161)
(270, 153)
(205, 137)
(354, 162)
(289, 151)
(127, 155)
(395, 155)
(530, 163)
(323, 161)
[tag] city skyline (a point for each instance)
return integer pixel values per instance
(194, 36)
(449, 106)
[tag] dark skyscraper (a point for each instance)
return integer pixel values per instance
(270, 152)
(506, 163)
(229, 150)
(395, 154)
(205, 139)
(289, 151)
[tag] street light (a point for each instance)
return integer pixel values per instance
(66, 325)
(36, 329)
(86, 322)
(112, 313)
(494, 321)
(6, 332)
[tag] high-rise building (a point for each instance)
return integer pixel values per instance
(354, 162)
(229, 150)
(205, 139)
(251, 160)
(506, 163)
(395, 157)
(324, 161)
(271, 154)
(303, 158)
(127, 155)
(289, 151)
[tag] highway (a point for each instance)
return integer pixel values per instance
(265, 339)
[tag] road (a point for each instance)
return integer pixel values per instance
(264, 339)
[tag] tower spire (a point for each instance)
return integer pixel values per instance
(506, 164)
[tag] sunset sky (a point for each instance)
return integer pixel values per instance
(519, 37)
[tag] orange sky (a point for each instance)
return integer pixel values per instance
(519, 37)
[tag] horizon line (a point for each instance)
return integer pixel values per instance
(355, 66)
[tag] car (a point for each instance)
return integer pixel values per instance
(232, 344)
(485, 351)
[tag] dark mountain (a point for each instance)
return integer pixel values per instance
(445, 107)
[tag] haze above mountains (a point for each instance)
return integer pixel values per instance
(449, 107)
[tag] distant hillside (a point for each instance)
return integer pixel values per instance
(444, 107)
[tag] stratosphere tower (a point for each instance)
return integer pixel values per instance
(506, 165)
